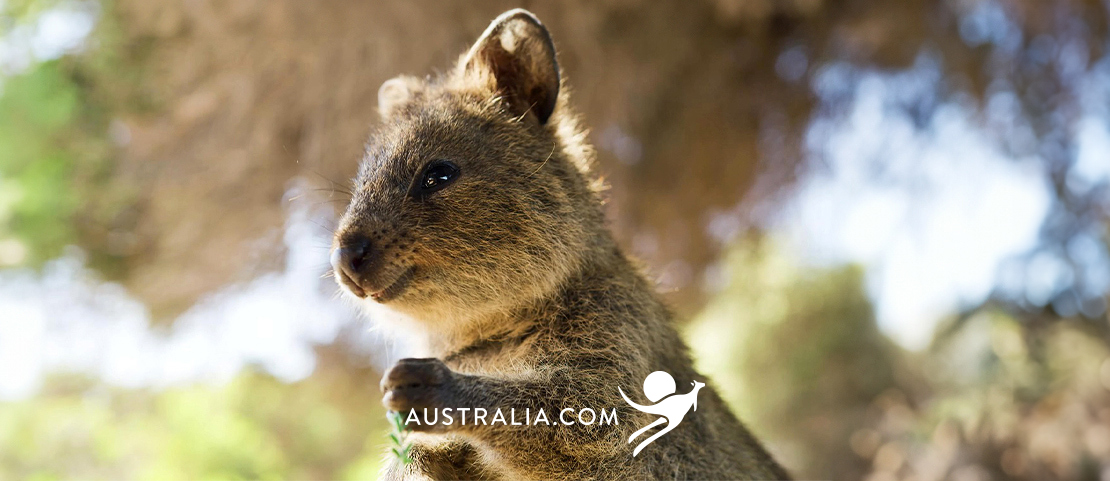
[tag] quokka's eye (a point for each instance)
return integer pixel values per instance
(437, 175)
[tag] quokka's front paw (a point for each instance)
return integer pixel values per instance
(418, 384)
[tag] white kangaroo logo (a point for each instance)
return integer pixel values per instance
(660, 385)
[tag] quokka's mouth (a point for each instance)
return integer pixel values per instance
(346, 281)
(395, 289)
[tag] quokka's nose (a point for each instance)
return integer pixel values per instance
(351, 257)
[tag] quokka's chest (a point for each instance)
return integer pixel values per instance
(500, 361)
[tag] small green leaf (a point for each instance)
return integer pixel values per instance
(398, 437)
(398, 421)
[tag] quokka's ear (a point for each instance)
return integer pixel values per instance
(516, 57)
(396, 93)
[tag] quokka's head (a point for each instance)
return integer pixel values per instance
(474, 195)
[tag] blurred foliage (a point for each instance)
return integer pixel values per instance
(57, 157)
(797, 353)
(329, 426)
(15, 12)
(35, 170)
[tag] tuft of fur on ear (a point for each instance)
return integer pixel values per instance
(397, 92)
(516, 57)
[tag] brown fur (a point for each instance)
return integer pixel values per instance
(513, 284)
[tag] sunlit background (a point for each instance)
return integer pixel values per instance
(885, 225)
